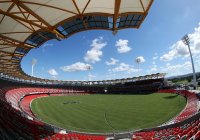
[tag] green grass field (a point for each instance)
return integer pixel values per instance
(108, 113)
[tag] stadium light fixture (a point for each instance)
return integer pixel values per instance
(89, 74)
(186, 41)
(138, 61)
(33, 62)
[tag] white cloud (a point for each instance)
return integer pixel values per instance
(122, 46)
(122, 67)
(168, 64)
(153, 68)
(90, 76)
(140, 59)
(177, 69)
(178, 49)
(53, 73)
(112, 61)
(197, 63)
(46, 45)
(155, 57)
(78, 66)
(110, 75)
(94, 54)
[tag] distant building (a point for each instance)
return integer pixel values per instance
(198, 81)
(168, 83)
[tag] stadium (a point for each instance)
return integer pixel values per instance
(134, 108)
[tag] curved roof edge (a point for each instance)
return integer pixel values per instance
(25, 24)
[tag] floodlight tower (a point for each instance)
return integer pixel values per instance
(89, 73)
(138, 61)
(34, 61)
(186, 41)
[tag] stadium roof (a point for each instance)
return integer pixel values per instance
(27, 24)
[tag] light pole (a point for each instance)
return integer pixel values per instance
(186, 41)
(33, 62)
(89, 73)
(138, 61)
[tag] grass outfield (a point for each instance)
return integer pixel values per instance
(108, 113)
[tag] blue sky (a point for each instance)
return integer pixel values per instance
(156, 44)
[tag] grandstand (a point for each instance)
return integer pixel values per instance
(16, 99)
(27, 24)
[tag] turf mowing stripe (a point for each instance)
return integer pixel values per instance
(105, 116)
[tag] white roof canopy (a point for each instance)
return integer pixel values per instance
(26, 24)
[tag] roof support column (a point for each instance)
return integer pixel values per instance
(116, 13)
